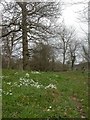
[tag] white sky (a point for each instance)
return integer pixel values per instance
(70, 13)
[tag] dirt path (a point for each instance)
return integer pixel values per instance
(79, 106)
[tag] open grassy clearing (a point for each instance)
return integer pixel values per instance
(44, 94)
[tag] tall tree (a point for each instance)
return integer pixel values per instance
(73, 48)
(28, 22)
(24, 34)
(65, 35)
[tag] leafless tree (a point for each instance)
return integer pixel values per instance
(27, 22)
(85, 19)
(73, 48)
(65, 35)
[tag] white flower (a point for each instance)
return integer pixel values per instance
(32, 81)
(7, 93)
(32, 84)
(35, 72)
(51, 86)
(27, 80)
(50, 107)
(10, 93)
(38, 86)
(8, 83)
(82, 116)
(20, 84)
(23, 83)
(36, 83)
(21, 78)
(27, 75)
(26, 84)
(15, 84)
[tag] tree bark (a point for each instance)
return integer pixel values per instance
(24, 37)
(63, 59)
(73, 61)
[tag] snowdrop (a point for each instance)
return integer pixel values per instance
(10, 93)
(83, 117)
(8, 83)
(20, 84)
(26, 84)
(27, 75)
(15, 84)
(51, 86)
(48, 109)
(21, 79)
(38, 86)
(35, 72)
(27, 80)
(7, 93)
(32, 81)
(36, 83)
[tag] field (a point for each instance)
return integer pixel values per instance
(29, 94)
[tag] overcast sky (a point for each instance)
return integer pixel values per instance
(71, 15)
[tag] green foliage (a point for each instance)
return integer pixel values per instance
(33, 94)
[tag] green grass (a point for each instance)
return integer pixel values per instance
(31, 100)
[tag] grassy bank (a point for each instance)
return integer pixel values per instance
(44, 94)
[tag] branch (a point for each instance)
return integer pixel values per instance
(5, 35)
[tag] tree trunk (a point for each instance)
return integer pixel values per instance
(64, 53)
(73, 61)
(24, 37)
(8, 62)
(63, 60)
(72, 66)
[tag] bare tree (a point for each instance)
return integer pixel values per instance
(73, 48)
(28, 22)
(84, 17)
(65, 35)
